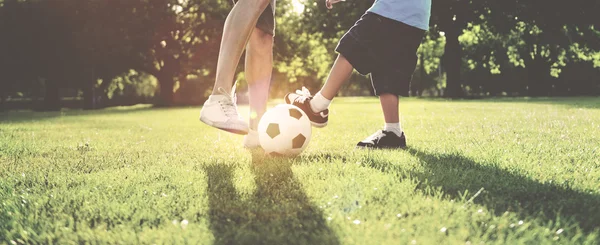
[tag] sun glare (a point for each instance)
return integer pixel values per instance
(298, 6)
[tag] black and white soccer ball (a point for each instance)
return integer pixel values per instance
(284, 130)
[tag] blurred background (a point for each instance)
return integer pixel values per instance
(97, 53)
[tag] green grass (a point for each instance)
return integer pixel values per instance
(132, 175)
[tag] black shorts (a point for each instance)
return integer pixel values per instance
(385, 48)
(266, 21)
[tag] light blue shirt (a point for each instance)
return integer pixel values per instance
(411, 12)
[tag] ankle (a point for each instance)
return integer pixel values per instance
(313, 107)
(394, 128)
(319, 103)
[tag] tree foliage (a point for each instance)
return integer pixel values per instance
(59, 48)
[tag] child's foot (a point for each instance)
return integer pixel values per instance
(302, 99)
(251, 140)
(383, 140)
(220, 111)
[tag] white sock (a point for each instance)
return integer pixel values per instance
(319, 103)
(393, 127)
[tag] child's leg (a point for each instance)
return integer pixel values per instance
(238, 26)
(339, 74)
(353, 55)
(389, 105)
(392, 135)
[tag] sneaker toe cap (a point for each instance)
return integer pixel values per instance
(287, 98)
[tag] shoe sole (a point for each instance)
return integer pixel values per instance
(379, 148)
(234, 131)
(318, 125)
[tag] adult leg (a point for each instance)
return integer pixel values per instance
(238, 26)
(259, 66)
(220, 110)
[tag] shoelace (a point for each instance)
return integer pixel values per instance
(229, 105)
(304, 94)
(376, 136)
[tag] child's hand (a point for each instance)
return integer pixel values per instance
(330, 3)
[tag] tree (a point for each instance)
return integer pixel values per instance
(451, 17)
(16, 47)
(306, 38)
(109, 39)
(185, 40)
(541, 39)
(428, 73)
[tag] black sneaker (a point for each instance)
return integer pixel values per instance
(383, 140)
(301, 99)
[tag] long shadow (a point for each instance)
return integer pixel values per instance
(36, 116)
(278, 212)
(584, 102)
(503, 190)
(323, 157)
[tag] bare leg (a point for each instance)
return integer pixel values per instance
(238, 26)
(339, 74)
(259, 66)
(392, 131)
(389, 105)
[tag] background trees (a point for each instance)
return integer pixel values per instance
(104, 52)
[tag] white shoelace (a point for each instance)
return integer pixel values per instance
(229, 105)
(376, 135)
(304, 95)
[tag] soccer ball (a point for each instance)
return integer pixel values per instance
(284, 130)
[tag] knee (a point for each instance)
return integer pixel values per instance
(261, 42)
(264, 38)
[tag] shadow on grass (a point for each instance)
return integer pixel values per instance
(278, 212)
(504, 190)
(585, 102)
(36, 116)
(571, 102)
(323, 157)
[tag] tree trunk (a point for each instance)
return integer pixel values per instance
(89, 95)
(166, 90)
(452, 61)
(52, 97)
(101, 94)
(2, 100)
(166, 77)
(89, 100)
(419, 88)
(538, 75)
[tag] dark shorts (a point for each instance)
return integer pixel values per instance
(385, 48)
(266, 21)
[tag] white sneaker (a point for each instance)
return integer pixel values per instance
(220, 111)
(251, 140)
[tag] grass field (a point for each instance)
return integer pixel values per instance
(507, 171)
